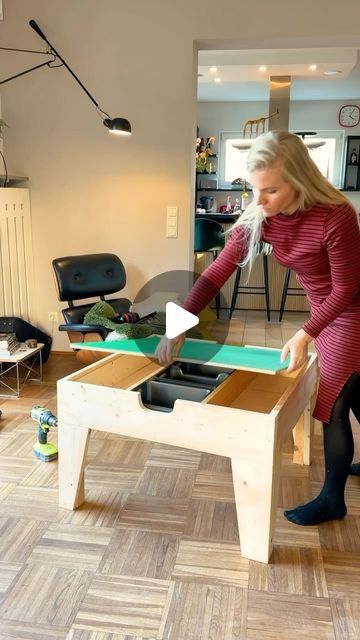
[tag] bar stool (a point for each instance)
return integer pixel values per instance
(209, 238)
(263, 249)
(288, 291)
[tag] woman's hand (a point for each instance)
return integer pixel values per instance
(297, 347)
(167, 349)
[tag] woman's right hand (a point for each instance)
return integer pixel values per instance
(168, 349)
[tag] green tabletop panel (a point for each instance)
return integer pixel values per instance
(199, 351)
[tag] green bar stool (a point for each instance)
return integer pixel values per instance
(264, 249)
(209, 238)
(288, 291)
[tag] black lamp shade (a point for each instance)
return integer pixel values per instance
(119, 126)
(303, 134)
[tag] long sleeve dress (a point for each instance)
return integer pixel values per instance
(322, 246)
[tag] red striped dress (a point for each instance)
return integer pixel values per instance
(322, 246)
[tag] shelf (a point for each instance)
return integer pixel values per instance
(219, 217)
(352, 175)
(229, 189)
(206, 173)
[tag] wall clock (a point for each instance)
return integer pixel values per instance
(349, 115)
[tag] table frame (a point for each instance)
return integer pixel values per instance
(96, 398)
(18, 363)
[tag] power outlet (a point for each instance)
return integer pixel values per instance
(53, 316)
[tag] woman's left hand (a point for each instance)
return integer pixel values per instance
(297, 347)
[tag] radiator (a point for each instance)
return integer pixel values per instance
(16, 256)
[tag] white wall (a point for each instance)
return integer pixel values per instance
(91, 193)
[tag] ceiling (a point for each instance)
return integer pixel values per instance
(241, 78)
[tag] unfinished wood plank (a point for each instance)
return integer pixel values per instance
(118, 371)
(189, 424)
(303, 435)
(231, 388)
(296, 399)
(256, 488)
(73, 442)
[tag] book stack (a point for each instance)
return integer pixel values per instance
(8, 344)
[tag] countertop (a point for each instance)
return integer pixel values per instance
(219, 217)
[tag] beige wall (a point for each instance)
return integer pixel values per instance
(93, 193)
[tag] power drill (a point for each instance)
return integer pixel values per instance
(44, 450)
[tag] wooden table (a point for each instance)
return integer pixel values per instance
(247, 418)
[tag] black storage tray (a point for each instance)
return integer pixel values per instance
(160, 395)
(191, 373)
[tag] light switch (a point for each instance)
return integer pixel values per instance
(172, 222)
(172, 212)
(171, 232)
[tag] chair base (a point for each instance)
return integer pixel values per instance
(82, 355)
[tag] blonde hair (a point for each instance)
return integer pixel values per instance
(297, 169)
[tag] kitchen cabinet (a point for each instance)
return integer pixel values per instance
(206, 181)
(352, 164)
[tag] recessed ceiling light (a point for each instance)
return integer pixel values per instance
(217, 80)
(332, 72)
(213, 69)
(262, 68)
(312, 67)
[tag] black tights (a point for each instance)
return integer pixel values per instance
(338, 452)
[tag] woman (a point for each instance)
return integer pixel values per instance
(315, 231)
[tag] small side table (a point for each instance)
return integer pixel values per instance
(26, 364)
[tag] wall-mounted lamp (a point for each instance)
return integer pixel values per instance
(119, 126)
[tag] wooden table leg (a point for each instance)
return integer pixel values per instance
(303, 435)
(256, 495)
(73, 443)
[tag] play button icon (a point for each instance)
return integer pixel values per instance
(160, 305)
(178, 320)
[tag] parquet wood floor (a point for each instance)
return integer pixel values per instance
(153, 553)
